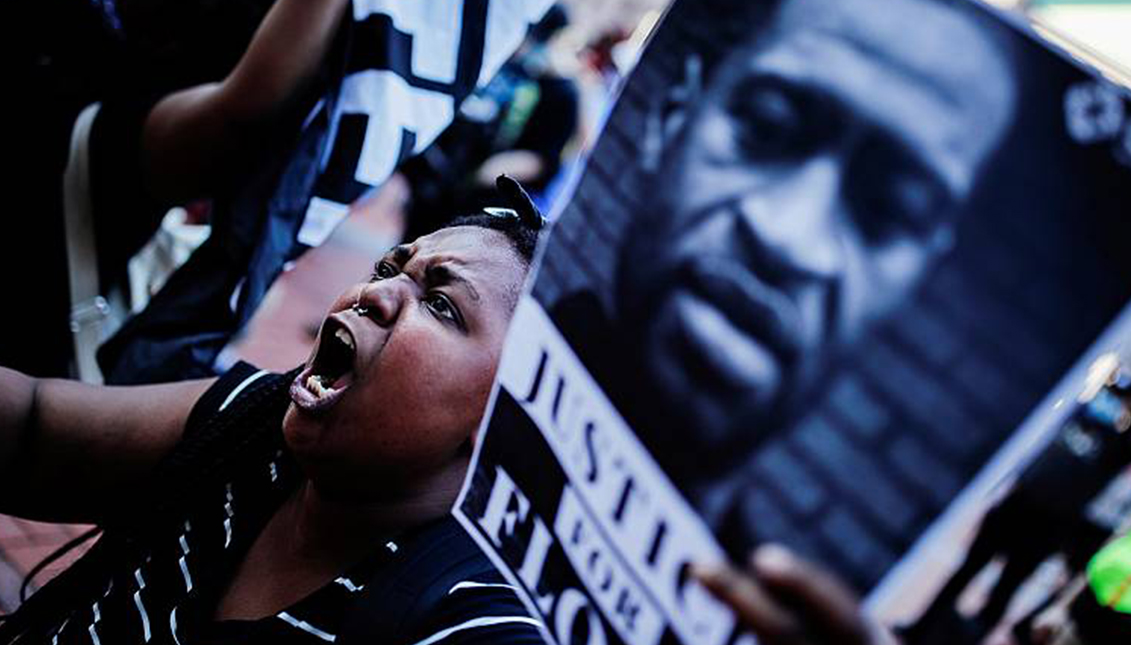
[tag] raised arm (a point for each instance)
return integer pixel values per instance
(70, 451)
(197, 138)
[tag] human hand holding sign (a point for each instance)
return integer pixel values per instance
(785, 600)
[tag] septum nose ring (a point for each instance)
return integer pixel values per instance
(357, 308)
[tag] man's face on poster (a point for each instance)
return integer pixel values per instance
(803, 196)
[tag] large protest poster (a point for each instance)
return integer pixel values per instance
(825, 262)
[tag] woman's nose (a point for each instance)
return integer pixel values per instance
(383, 300)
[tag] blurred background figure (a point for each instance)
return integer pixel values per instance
(1045, 513)
(69, 54)
(519, 125)
(279, 133)
(1092, 609)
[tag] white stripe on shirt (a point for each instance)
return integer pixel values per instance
(485, 621)
(92, 630)
(229, 514)
(240, 388)
(184, 557)
(469, 584)
(306, 627)
(141, 607)
(349, 585)
(173, 625)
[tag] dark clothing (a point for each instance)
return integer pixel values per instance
(1043, 515)
(327, 162)
(321, 158)
(1075, 467)
(517, 110)
(71, 54)
(254, 231)
(157, 574)
(1097, 624)
(549, 125)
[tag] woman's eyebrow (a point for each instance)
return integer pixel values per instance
(437, 275)
(401, 253)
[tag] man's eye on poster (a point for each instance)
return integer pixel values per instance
(847, 277)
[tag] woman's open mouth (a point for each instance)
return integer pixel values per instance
(330, 374)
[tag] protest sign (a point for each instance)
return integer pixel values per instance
(827, 261)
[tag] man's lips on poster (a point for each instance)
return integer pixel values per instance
(740, 333)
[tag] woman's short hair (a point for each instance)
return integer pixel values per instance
(519, 219)
(523, 238)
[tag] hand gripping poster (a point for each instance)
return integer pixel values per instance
(846, 276)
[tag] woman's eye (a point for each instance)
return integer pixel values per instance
(384, 270)
(442, 307)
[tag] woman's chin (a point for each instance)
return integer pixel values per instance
(301, 431)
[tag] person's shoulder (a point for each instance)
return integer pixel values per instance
(467, 599)
(240, 383)
(483, 608)
(238, 418)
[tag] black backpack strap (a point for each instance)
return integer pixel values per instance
(398, 601)
(71, 587)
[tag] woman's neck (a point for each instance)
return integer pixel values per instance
(313, 538)
(322, 527)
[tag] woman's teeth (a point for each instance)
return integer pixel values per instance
(344, 337)
(315, 385)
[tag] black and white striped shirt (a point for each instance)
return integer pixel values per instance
(167, 591)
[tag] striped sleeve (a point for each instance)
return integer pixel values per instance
(217, 397)
(480, 611)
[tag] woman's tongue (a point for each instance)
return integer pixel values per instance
(333, 366)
